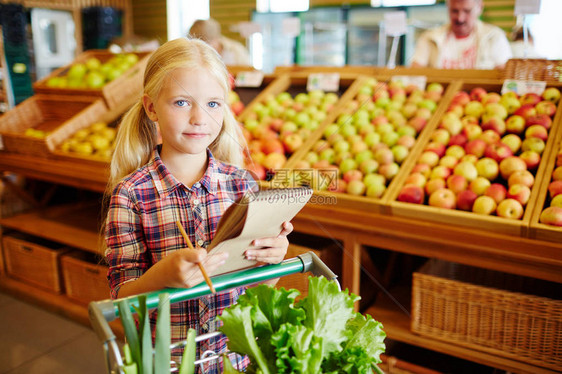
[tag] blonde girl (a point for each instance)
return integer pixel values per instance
(191, 177)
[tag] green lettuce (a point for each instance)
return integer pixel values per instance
(320, 333)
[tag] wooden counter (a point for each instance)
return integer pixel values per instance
(356, 231)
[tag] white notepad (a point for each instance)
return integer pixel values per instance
(257, 215)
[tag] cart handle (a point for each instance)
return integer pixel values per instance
(105, 311)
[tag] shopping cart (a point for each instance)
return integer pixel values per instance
(102, 312)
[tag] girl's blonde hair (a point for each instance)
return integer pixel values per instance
(137, 134)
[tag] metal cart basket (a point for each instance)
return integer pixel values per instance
(102, 312)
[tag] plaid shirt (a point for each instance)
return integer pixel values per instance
(141, 230)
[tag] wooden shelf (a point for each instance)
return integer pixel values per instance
(396, 324)
(74, 225)
(56, 303)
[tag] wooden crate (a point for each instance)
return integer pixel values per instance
(34, 260)
(371, 204)
(537, 229)
(534, 69)
(85, 278)
(111, 117)
(293, 84)
(468, 219)
(130, 83)
(48, 113)
(502, 314)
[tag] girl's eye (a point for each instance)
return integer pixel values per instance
(181, 103)
(214, 104)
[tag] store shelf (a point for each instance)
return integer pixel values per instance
(397, 327)
(57, 303)
(74, 225)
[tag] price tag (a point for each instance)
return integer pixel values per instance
(291, 26)
(249, 79)
(527, 7)
(523, 87)
(326, 82)
(395, 23)
(417, 80)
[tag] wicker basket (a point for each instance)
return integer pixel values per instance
(502, 314)
(49, 113)
(534, 69)
(114, 92)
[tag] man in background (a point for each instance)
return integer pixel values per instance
(231, 51)
(464, 43)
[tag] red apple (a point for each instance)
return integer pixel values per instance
(473, 130)
(352, 175)
(497, 151)
(458, 139)
(457, 183)
(274, 161)
(510, 208)
(531, 158)
(551, 216)
(530, 99)
(257, 170)
(557, 174)
(478, 94)
(520, 193)
(551, 94)
(449, 161)
(484, 205)
(437, 148)
(510, 165)
(443, 198)
(434, 184)
(417, 179)
(475, 147)
(533, 144)
(497, 192)
(536, 131)
(389, 171)
(411, 194)
(461, 98)
(441, 136)
(540, 120)
(440, 172)
(526, 111)
(455, 151)
(490, 136)
(424, 169)
(512, 141)
(466, 199)
(292, 142)
(555, 188)
(429, 158)
(523, 177)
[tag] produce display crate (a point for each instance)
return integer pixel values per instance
(34, 260)
(364, 203)
(49, 114)
(537, 229)
(111, 117)
(502, 314)
(518, 227)
(85, 278)
(114, 92)
(534, 69)
(293, 84)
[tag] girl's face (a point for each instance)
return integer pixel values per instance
(189, 111)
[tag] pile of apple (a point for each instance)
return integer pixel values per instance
(236, 105)
(484, 154)
(552, 215)
(93, 73)
(280, 124)
(363, 150)
(97, 140)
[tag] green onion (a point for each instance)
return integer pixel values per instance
(162, 355)
(188, 359)
(130, 329)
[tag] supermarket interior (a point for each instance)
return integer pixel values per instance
(415, 147)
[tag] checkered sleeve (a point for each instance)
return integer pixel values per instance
(126, 252)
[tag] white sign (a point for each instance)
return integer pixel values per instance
(249, 79)
(527, 7)
(329, 82)
(523, 87)
(291, 26)
(395, 23)
(248, 28)
(417, 80)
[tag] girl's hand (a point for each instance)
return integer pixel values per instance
(181, 270)
(274, 249)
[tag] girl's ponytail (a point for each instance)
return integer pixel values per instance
(135, 141)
